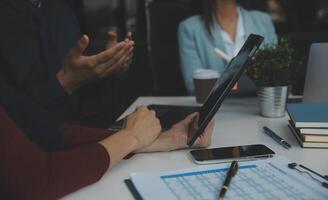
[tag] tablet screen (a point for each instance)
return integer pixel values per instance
(223, 86)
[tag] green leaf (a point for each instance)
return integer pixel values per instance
(275, 65)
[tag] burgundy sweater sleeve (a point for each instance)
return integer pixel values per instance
(27, 172)
(80, 135)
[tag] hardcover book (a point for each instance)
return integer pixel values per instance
(309, 115)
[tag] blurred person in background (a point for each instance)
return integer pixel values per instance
(223, 25)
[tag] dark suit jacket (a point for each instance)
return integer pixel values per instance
(22, 64)
(37, 123)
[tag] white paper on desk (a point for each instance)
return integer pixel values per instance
(264, 179)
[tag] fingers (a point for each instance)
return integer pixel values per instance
(117, 62)
(128, 59)
(209, 129)
(145, 112)
(126, 63)
(106, 55)
(211, 125)
(80, 46)
(112, 36)
(144, 126)
(112, 39)
(112, 55)
(119, 54)
(128, 36)
(125, 60)
(142, 108)
(190, 118)
(205, 139)
(187, 121)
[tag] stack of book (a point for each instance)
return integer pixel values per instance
(309, 124)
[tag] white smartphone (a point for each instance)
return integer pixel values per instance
(229, 154)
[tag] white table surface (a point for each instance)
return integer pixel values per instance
(237, 123)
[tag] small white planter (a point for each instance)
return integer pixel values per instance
(272, 101)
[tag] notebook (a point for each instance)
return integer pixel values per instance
(309, 137)
(309, 115)
(306, 144)
(314, 131)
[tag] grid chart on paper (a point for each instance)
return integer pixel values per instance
(251, 182)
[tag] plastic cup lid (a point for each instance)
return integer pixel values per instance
(205, 74)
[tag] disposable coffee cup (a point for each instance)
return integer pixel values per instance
(204, 80)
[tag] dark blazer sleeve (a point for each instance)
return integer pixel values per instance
(36, 122)
(39, 125)
(28, 172)
(22, 60)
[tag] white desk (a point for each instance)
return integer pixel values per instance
(237, 123)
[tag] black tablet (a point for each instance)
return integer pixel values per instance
(223, 86)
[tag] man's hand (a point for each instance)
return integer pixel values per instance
(112, 40)
(78, 68)
(176, 137)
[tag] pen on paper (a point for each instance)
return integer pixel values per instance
(222, 55)
(230, 174)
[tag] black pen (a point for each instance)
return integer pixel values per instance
(231, 173)
(276, 137)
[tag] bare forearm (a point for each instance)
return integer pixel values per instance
(161, 144)
(118, 146)
(141, 129)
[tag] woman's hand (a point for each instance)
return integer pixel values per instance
(176, 137)
(140, 130)
(143, 126)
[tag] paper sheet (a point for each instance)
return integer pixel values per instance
(264, 179)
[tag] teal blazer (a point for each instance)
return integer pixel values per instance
(197, 47)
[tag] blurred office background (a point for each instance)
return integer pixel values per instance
(155, 69)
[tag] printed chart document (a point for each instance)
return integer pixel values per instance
(263, 179)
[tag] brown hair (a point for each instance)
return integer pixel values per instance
(209, 6)
(208, 11)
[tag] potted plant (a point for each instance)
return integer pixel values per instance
(273, 70)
